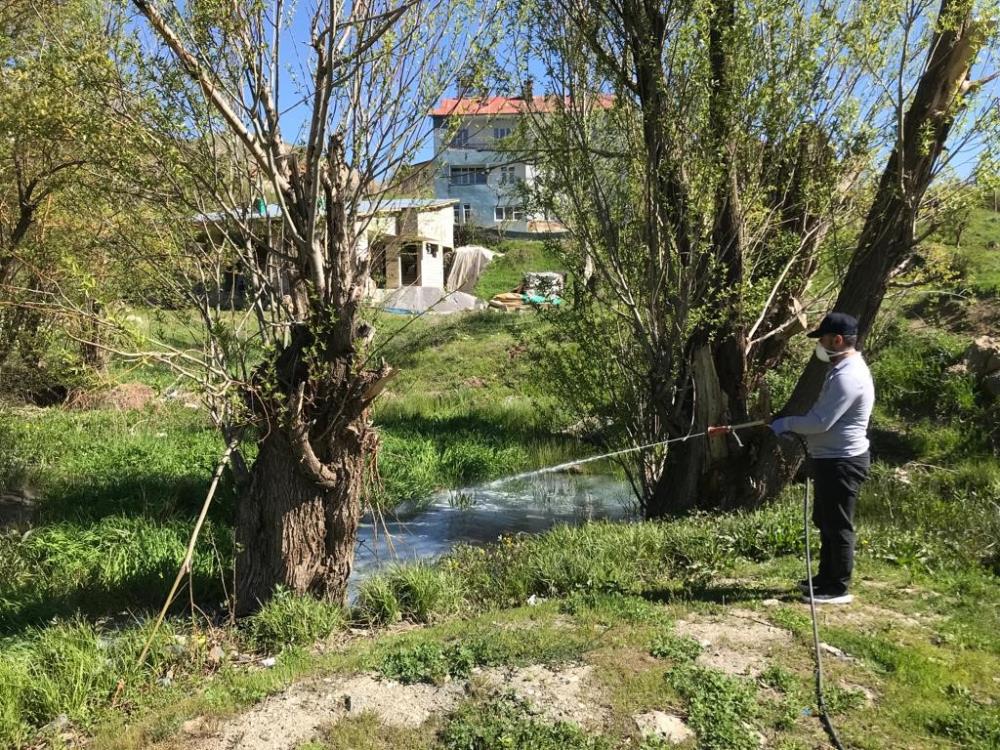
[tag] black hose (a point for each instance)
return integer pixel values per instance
(820, 702)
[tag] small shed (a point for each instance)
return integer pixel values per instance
(407, 238)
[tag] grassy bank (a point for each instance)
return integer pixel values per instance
(116, 491)
(633, 607)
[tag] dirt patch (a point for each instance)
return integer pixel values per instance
(124, 397)
(286, 720)
(738, 643)
(570, 694)
(868, 615)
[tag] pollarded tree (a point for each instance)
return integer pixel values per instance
(945, 94)
(293, 374)
(736, 156)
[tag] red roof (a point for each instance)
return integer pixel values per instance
(504, 105)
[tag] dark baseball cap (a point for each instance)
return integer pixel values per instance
(836, 323)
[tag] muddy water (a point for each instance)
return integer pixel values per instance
(481, 515)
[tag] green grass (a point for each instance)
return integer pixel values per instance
(909, 670)
(980, 263)
(118, 492)
(504, 274)
(508, 723)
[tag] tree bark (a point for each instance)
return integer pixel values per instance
(291, 531)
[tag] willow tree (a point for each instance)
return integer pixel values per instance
(736, 158)
(310, 108)
(60, 160)
(948, 91)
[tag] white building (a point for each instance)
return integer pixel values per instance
(473, 169)
(408, 239)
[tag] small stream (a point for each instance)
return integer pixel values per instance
(480, 515)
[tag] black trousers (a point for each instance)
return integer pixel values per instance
(837, 482)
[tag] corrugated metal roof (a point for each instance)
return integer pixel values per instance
(506, 105)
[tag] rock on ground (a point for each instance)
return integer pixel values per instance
(665, 726)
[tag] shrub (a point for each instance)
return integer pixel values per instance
(719, 707)
(426, 662)
(291, 620)
(377, 603)
(669, 645)
(508, 723)
(425, 591)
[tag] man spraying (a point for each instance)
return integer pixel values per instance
(836, 431)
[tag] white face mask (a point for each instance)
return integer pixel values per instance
(823, 354)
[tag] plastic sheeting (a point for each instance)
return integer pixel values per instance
(418, 299)
(470, 260)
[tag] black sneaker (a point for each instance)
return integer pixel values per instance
(827, 597)
(804, 584)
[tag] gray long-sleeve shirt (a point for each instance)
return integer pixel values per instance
(837, 424)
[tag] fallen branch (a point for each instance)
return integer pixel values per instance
(186, 565)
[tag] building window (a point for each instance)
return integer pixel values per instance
(507, 174)
(461, 138)
(463, 213)
(509, 213)
(501, 133)
(468, 175)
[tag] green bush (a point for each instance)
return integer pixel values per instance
(291, 620)
(720, 707)
(669, 645)
(425, 591)
(508, 723)
(377, 603)
(426, 661)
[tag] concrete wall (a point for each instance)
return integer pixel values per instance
(433, 225)
(483, 200)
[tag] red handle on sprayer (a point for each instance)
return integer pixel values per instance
(725, 429)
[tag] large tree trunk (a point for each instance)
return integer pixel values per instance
(299, 512)
(887, 237)
(293, 532)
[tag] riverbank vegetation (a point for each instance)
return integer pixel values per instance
(115, 490)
